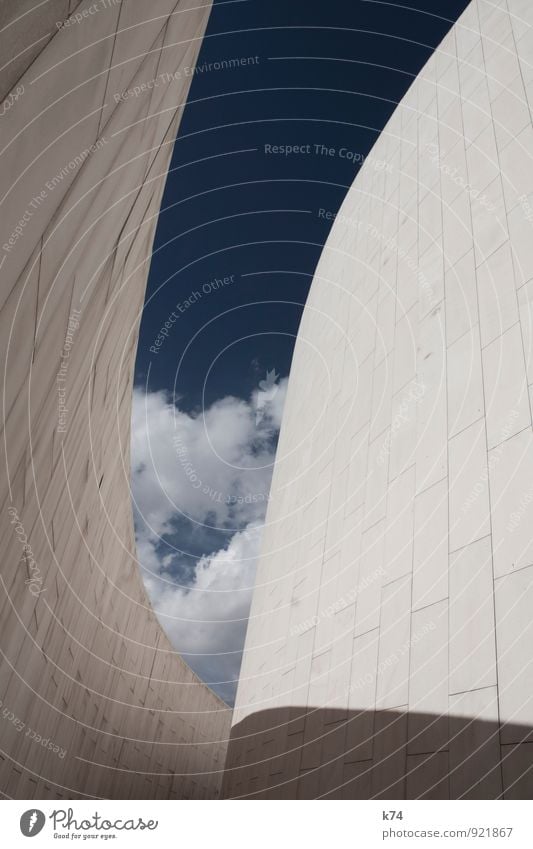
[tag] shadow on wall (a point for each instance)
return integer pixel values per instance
(310, 753)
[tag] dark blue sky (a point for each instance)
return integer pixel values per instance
(327, 73)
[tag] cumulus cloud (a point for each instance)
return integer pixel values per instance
(207, 622)
(210, 468)
(200, 485)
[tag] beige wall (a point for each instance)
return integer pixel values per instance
(85, 663)
(390, 645)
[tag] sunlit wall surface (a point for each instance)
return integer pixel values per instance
(94, 702)
(390, 644)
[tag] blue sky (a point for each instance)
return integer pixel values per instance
(267, 141)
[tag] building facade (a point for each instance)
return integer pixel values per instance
(390, 646)
(94, 701)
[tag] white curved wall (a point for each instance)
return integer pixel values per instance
(94, 701)
(390, 644)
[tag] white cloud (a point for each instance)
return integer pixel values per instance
(212, 470)
(213, 467)
(207, 623)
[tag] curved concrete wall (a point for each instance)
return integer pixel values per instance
(390, 644)
(94, 701)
